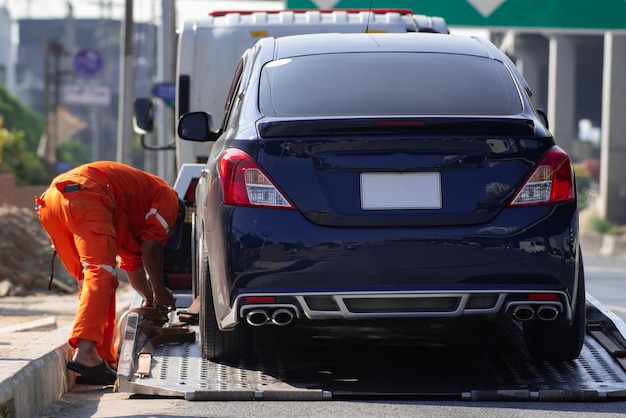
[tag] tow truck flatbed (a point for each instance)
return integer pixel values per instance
(477, 362)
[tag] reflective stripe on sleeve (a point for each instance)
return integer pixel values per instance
(161, 220)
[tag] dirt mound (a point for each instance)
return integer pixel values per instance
(26, 256)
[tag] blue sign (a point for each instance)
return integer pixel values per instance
(165, 91)
(88, 62)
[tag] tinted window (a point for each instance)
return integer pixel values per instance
(387, 84)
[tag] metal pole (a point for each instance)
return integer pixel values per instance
(151, 157)
(166, 163)
(127, 86)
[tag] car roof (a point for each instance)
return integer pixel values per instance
(325, 43)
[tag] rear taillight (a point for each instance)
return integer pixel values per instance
(245, 184)
(551, 182)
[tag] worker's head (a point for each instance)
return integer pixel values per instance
(173, 242)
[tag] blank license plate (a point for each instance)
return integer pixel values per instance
(381, 191)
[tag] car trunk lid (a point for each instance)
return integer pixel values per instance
(400, 172)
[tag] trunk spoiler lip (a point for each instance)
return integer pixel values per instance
(517, 125)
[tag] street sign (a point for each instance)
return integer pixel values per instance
(85, 94)
(165, 91)
(551, 14)
(88, 62)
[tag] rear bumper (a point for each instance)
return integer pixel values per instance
(324, 272)
(389, 305)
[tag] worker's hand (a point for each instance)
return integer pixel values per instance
(139, 282)
(165, 298)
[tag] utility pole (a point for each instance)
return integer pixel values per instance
(52, 84)
(126, 90)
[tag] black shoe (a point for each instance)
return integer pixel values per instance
(100, 374)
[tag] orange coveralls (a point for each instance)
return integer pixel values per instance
(92, 214)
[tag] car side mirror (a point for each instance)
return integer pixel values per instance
(197, 126)
(143, 116)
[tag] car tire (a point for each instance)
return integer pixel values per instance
(552, 341)
(218, 345)
(195, 272)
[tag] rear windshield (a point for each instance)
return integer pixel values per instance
(387, 84)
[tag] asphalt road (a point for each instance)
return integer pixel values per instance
(107, 404)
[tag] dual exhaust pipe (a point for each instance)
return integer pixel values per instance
(260, 317)
(543, 312)
(284, 316)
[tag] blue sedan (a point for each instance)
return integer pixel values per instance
(384, 177)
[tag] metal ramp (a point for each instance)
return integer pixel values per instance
(482, 362)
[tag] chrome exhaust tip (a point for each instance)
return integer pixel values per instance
(523, 313)
(282, 317)
(257, 317)
(547, 313)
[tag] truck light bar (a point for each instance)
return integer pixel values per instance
(218, 13)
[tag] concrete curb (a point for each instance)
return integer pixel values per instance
(32, 378)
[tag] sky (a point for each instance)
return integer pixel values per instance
(143, 10)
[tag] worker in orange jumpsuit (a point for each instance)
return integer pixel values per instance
(94, 214)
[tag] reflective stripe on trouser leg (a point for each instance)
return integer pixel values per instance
(95, 317)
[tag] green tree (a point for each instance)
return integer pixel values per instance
(18, 117)
(73, 153)
(26, 166)
(20, 131)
